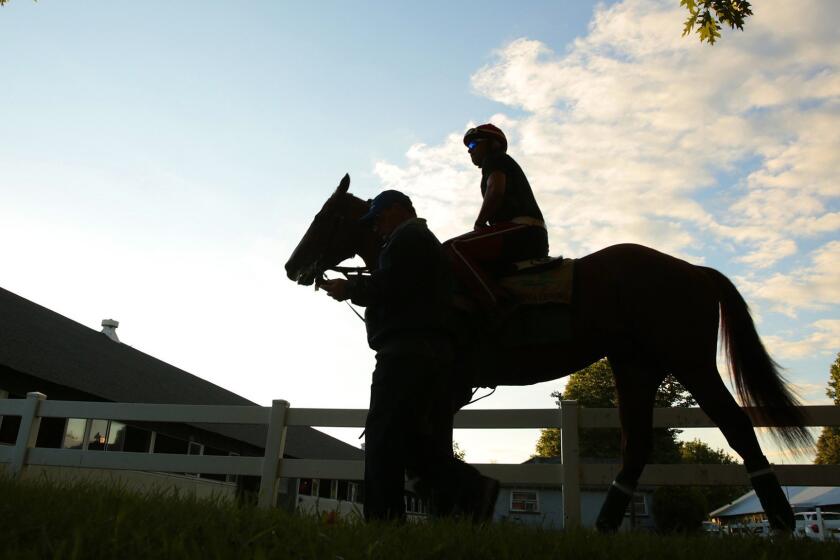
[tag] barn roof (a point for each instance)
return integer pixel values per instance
(42, 343)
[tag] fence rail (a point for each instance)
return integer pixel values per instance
(569, 418)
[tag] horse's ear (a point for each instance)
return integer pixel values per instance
(343, 185)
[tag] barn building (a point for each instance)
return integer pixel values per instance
(43, 351)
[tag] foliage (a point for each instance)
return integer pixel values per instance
(707, 15)
(699, 453)
(679, 509)
(458, 451)
(92, 521)
(828, 444)
(594, 387)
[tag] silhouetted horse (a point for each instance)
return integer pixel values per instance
(650, 314)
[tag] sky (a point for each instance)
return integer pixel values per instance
(161, 160)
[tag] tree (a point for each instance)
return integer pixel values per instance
(828, 444)
(698, 453)
(594, 387)
(679, 509)
(458, 452)
(707, 15)
(683, 509)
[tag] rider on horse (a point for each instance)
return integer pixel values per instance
(409, 423)
(516, 229)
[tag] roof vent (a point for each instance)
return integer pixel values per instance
(109, 328)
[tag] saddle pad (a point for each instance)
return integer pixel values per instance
(552, 284)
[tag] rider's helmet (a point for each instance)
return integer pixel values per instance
(486, 132)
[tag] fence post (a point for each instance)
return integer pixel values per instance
(27, 432)
(275, 444)
(570, 450)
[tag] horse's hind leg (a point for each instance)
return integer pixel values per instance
(637, 387)
(716, 401)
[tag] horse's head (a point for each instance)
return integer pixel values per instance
(334, 235)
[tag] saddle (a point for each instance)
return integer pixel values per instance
(541, 315)
(532, 282)
(538, 281)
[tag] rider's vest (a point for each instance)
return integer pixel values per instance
(518, 201)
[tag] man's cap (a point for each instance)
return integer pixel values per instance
(487, 132)
(383, 201)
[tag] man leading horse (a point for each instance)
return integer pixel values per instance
(649, 313)
(409, 423)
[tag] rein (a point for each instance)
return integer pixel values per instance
(348, 271)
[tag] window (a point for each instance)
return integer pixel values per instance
(116, 436)
(137, 440)
(166, 444)
(102, 435)
(639, 505)
(74, 433)
(305, 487)
(325, 489)
(232, 477)
(216, 452)
(8, 425)
(3, 395)
(342, 489)
(524, 501)
(98, 435)
(352, 492)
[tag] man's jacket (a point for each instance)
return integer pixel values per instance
(409, 294)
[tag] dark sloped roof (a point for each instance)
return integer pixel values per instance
(39, 342)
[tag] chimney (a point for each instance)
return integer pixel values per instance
(109, 328)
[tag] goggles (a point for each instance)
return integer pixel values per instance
(473, 143)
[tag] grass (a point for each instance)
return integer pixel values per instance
(46, 520)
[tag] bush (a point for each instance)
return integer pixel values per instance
(679, 509)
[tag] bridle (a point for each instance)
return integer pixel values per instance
(347, 271)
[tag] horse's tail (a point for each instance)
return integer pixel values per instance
(758, 381)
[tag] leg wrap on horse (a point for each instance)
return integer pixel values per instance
(612, 512)
(773, 499)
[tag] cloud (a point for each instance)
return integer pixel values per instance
(635, 134)
(824, 338)
(811, 393)
(814, 287)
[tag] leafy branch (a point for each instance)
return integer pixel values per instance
(708, 15)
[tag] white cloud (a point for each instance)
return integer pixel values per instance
(823, 338)
(815, 287)
(637, 134)
(811, 393)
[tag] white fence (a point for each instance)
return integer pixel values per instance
(570, 475)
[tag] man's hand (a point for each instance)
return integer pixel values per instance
(336, 289)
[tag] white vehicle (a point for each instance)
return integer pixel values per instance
(820, 525)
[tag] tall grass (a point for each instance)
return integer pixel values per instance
(46, 520)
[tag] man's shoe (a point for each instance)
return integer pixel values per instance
(485, 503)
